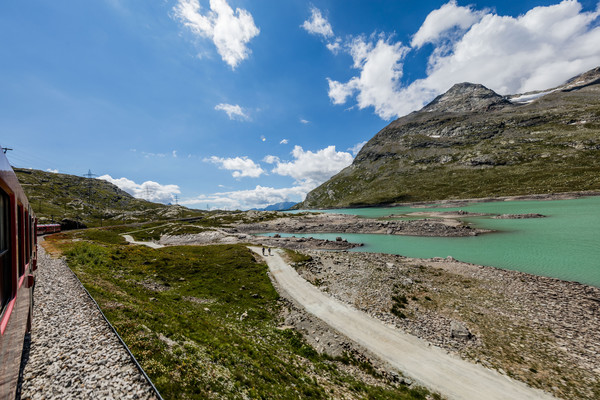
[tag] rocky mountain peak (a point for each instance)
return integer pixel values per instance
(467, 97)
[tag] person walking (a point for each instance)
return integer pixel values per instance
(263, 250)
(269, 251)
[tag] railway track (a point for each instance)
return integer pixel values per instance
(73, 352)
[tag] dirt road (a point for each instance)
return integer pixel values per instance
(428, 365)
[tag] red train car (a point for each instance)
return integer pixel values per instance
(47, 228)
(18, 262)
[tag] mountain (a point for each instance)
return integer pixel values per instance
(286, 205)
(471, 142)
(88, 201)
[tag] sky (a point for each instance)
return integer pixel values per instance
(236, 104)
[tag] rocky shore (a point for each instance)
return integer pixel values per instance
(543, 331)
(343, 223)
(225, 236)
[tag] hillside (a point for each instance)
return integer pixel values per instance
(471, 142)
(91, 202)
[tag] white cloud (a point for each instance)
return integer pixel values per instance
(379, 79)
(54, 171)
(233, 111)
(535, 51)
(335, 46)
(230, 31)
(241, 166)
(283, 141)
(304, 121)
(442, 20)
(311, 169)
(174, 153)
(271, 159)
(356, 148)
(149, 190)
(259, 197)
(317, 24)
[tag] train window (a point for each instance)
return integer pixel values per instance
(5, 261)
(26, 237)
(21, 244)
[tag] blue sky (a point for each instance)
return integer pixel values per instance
(239, 104)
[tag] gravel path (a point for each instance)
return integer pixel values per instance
(430, 366)
(73, 352)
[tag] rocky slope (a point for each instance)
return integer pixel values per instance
(471, 142)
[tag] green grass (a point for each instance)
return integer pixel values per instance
(202, 321)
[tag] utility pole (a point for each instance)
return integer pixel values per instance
(148, 191)
(176, 198)
(89, 175)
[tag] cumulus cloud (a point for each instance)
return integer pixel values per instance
(149, 190)
(54, 171)
(377, 85)
(310, 169)
(271, 159)
(317, 24)
(444, 19)
(304, 121)
(259, 197)
(537, 50)
(233, 111)
(241, 166)
(230, 31)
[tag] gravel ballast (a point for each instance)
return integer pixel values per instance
(73, 352)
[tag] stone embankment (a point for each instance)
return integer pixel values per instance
(341, 223)
(542, 331)
(73, 352)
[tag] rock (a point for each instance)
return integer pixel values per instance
(459, 331)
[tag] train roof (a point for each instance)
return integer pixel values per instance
(9, 179)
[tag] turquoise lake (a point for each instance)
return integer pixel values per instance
(564, 245)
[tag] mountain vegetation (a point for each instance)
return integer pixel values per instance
(471, 142)
(78, 201)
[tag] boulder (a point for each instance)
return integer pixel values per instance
(459, 331)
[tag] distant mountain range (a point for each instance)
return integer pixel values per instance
(286, 205)
(471, 142)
